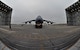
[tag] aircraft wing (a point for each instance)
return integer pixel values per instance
(48, 21)
(29, 21)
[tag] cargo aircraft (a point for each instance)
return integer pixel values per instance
(39, 21)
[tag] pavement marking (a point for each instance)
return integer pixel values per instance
(35, 33)
(6, 30)
(73, 30)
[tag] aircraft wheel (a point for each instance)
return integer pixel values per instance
(40, 26)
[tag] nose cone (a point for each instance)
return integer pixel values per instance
(39, 19)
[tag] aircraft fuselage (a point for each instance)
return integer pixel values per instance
(38, 22)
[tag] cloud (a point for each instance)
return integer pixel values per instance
(53, 10)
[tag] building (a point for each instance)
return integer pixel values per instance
(73, 14)
(5, 14)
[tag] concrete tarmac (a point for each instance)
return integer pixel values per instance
(3, 47)
(50, 37)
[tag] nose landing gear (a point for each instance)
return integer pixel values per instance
(38, 26)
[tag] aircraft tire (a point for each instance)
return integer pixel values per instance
(40, 26)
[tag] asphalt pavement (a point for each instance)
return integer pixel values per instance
(50, 37)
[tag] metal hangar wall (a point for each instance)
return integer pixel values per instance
(73, 14)
(5, 14)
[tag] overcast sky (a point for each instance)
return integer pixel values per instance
(53, 10)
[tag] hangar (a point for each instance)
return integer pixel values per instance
(5, 14)
(73, 14)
